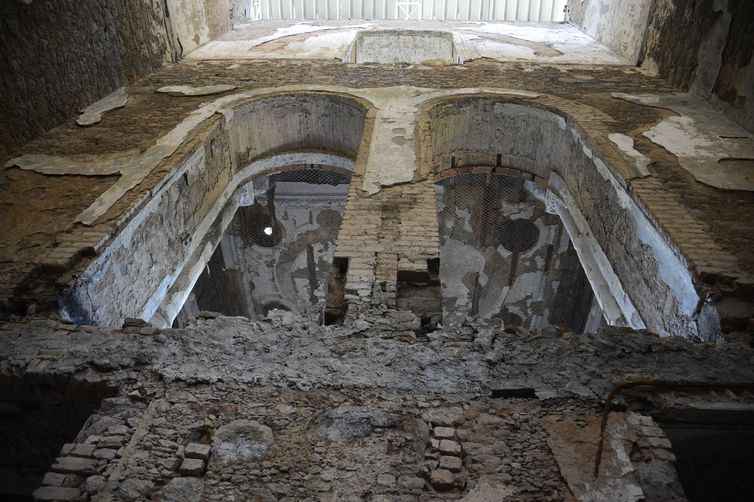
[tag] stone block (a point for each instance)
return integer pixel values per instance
(445, 432)
(192, 467)
(450, 447)
(53, 479)
(442, 480)
(111, 442)
(94, 484)
(75, 465)
(445, 416)
(182, 490)
(83, 450)
(197, 450)
(105, 453)
(453, 464)
(411, 482)
(57, 493)
(118, 430)
(386, 480)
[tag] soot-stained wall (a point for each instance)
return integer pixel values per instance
(60, 56)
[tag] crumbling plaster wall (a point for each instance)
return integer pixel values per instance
(618, 24)
(293, 272)
(142, 260)
(148, 262)
(60, 56)
(487, 131)
(713, 57)
(481, 277)
(703, 46)
(364, 410)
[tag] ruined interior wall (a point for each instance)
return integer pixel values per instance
(618, 24)
(296, 122)
(61, 56)
(475, 131)
(196, 22)
(140, 261)
(714, 55)
(291, 274)
(481, 277)
(230, 408)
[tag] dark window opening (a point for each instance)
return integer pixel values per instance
(336, 305)
(714, 453)
(36, 420)
(420, 293)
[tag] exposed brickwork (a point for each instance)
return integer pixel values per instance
(395, 229)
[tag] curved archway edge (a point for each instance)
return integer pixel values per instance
(606, 171)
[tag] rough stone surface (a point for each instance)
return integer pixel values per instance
(182, 490)
(241, 440)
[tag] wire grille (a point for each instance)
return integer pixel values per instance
(311, 176)
(472, 208)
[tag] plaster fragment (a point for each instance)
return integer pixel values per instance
(626, 145)
(702, 138)
(93, 114)
(190, 90)
(79, 165)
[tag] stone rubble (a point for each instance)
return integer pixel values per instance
(229, 408)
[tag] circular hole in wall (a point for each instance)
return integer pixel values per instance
(518, 235)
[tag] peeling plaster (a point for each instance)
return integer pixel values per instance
(93, 114)
(78, 165)
(670, 266)
(190, 90)
(554, 43)
(701, 138)
(626, 145)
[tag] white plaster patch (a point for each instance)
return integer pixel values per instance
(93, 114)
(703, 140)
(79, 165)
(559, 43)
(190, 90)
(626, 145)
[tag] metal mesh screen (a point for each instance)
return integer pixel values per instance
(311, 176)
(473, 203)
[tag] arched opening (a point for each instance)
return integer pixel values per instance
(149, 274)
(502, 256)
(516, 244)
(277, 253)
